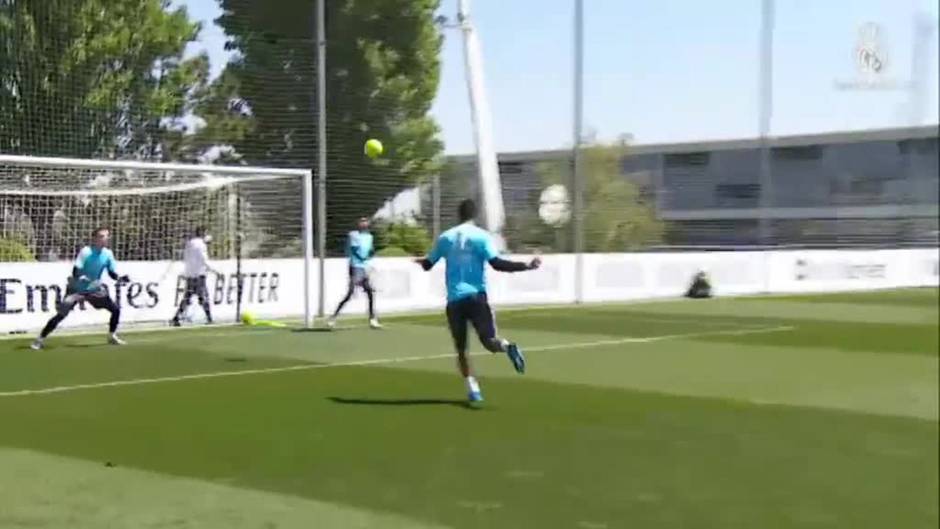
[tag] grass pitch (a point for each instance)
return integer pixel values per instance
(812, 411)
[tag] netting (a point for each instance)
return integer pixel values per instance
(49, 209)
(139, 79)
(381, 77)
(234, 82)
(874, 189)
(772, 123)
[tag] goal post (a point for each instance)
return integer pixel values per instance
(260, 220)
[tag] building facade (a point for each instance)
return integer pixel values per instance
(871, 188)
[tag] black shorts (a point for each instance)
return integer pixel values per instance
(99, 300)
(196, 286)
(473, 309)
(359, 277)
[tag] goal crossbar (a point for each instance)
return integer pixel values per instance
(209, 183)
(39, 161)
(215, 176)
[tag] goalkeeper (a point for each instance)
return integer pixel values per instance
(85, 285)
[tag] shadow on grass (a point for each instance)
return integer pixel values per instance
(405, 402)
(82, 345)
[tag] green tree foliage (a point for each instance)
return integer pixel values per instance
(108, 79)
(383, 69)
(13, 251)
(399, 239)
(616, 217)
(95, 78)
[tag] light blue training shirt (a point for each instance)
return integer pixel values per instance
(467, 248)
(91, 263)
(359, 249)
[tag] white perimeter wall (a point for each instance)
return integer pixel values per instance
(274, 288)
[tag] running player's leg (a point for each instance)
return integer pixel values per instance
(484, 322)
(457, 322)
(184, 303)
(202, 293)
(349, 294)
(370, 294)
(62, 311)
(103, 301)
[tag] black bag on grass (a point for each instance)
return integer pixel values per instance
(701, 287)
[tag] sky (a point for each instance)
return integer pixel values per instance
(666, 71)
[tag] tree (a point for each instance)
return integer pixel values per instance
(91, 79)
(14, 251)
(383, 69)
(616, 217)
(397, 239)
(95, 78)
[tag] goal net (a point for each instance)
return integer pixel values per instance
(258, 220)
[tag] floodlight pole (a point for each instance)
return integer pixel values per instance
(577, 226)
(765, 112)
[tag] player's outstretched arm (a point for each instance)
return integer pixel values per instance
(76, 280)
(79, 265)
(78, 275)
(112, 271)
(119, 278)
(504, 265)
(490, 254)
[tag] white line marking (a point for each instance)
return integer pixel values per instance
(133, 327)
(185, 331)
(650, 339)
(379, 361)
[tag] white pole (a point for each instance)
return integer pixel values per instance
(308, 248)
(923, 28)
(765, 112)
(321, 152)
(576, 188)
(488, 166)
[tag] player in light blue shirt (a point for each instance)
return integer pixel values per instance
(467, 250)
(360, 249)
(85, 285)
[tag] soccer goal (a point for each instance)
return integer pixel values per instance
(259, 219)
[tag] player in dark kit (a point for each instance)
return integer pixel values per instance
(467, 249)
(85, 285)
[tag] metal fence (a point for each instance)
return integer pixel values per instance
(866, 189)
(618, 126)
(832, 142)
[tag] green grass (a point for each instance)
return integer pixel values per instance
(774, 412)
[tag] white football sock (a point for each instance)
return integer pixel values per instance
(472, 385)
